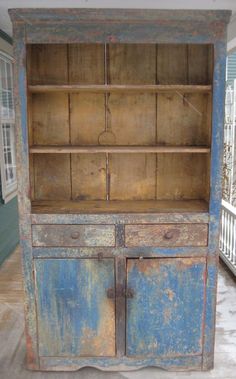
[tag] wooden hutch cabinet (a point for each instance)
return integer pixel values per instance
(119, 145)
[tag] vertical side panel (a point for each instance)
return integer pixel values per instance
(215, 199)
(217, 144)
(24, 194)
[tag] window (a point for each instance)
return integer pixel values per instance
(7, 130)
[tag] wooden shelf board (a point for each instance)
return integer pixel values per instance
(103, 88)
(115, 206)
(118, 149)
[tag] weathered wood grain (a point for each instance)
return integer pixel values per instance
(79, 319)
(215, 201)
(52, 177)
(160, 290)
(48, 64)
(122, 252)
(186, 363)
(120, 267)
(127, 178)
(73, 235)
(123, 88)
(118, 149)
(166, 235)
(167, 210)
(24, 206)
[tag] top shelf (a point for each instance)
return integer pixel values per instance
(104, 88)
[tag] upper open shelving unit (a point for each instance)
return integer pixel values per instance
(119, 127)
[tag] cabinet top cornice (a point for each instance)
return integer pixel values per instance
(34, 15)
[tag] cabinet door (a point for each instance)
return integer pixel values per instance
(165, 312)
(75, 316)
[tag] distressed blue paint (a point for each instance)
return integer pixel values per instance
(165, 316)
(156, 32)
(215, 198)
(121, 218)
(128, 26)
(22, 94)
(70, 297)
(72, 364)
(210, 307)
(217, 144)
(60, 252)
(31, 15)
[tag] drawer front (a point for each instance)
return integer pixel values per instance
(166, 235)
(73, 235)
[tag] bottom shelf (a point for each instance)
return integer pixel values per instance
(118, 206)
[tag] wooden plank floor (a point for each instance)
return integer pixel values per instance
(12, 344)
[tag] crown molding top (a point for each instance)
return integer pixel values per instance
(44, 15)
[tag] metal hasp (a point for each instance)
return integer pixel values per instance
(119, 239)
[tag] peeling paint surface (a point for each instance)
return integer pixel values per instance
(70, 322)
(75, 317)
(164, 318)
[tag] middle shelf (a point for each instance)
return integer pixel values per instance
(119, 88)
(93, 149)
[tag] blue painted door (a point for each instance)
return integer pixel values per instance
(75, 316)
(165, 314)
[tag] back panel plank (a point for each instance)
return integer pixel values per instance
(87, 118)
(182, 176)
(172, 64)
(133, 121)
(88, 176)
(183, 119)
(50, 119)
(131, 64)
(48, 64)
(132, 176)
(200, 64)
(52, 177)
(87, 121)
(86, 63)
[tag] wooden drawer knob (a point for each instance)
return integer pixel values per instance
(75, 235)
(169, 235)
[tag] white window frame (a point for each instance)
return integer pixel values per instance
(8, 191)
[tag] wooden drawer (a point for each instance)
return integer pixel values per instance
(73, 235)
(166, 235)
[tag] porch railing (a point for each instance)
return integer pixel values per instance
(228, 236)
